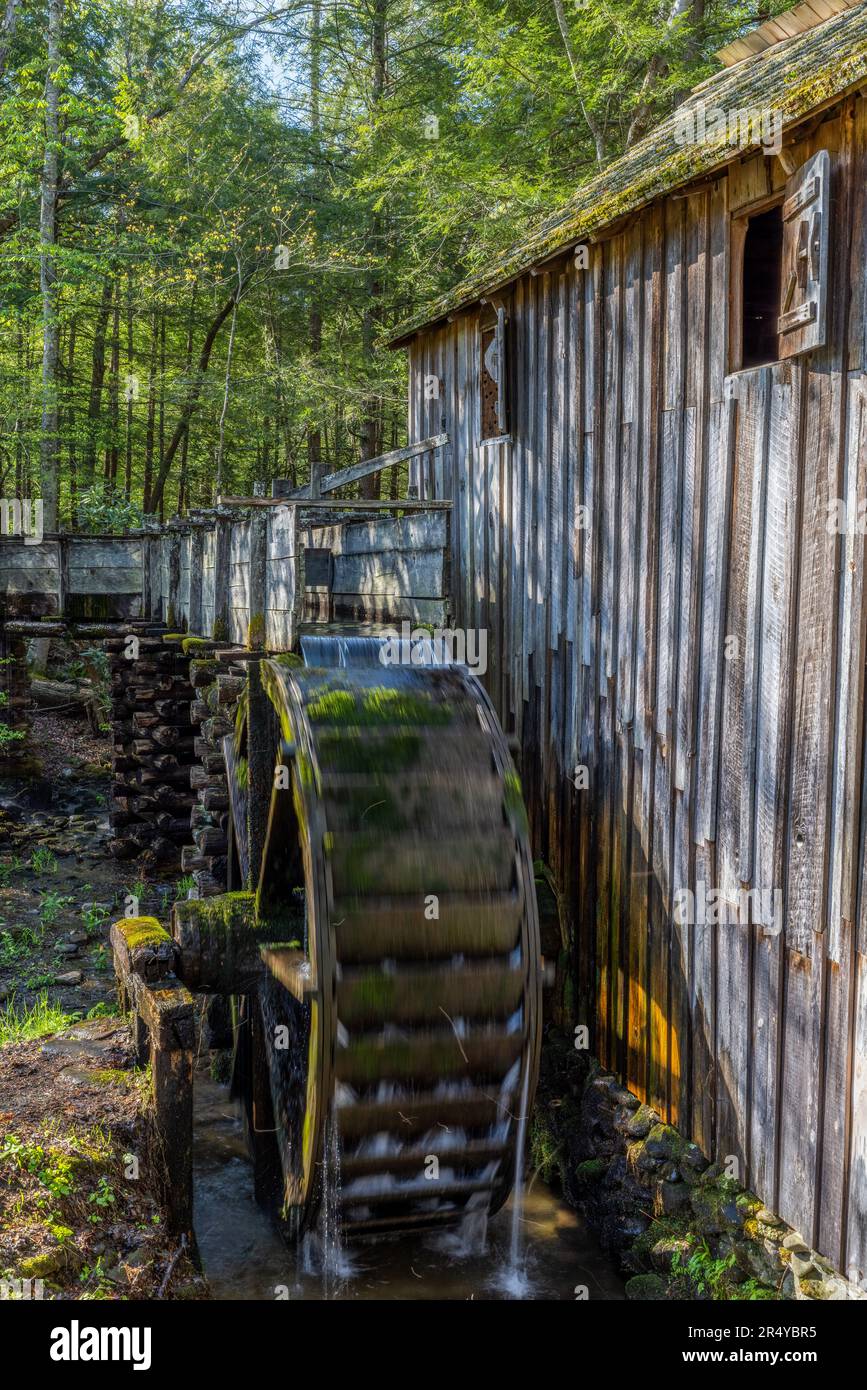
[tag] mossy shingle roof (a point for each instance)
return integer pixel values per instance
(794, 78)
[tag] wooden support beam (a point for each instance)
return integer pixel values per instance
(363, 470)
(258, 588)
(173, 615)
(388, 504)
(261, 748)
(197, 545)
(164, 1035)
(221, 581)
(322, 482)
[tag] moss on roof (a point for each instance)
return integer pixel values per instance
(793, 78)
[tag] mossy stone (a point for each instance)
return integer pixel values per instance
(646, 1288)
(41, 1266)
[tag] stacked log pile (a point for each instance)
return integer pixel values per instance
(218, 680)
(153, 748)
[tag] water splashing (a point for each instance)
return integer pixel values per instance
(513, 1279)
(322, 1251)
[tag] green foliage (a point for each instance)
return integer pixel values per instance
(326, 211)
(20, 1024)
(42, 861)
(51, 907)
(103, 1196)
(93, 918)
(102, 510)
(20, 945)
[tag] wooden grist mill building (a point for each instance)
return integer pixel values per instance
(657, 422)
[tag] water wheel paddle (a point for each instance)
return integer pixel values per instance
(399, 1011)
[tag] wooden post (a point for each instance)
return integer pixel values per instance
(63, 574)
(261, 744)
(267, 1174)
(258, 560)
(163, 1012)
(298, 579)
(317, 473)
(173, 610)
(197, 541)
(221, 581)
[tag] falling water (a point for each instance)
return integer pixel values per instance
(329, 650)
(322, 1251)
(513, 1279)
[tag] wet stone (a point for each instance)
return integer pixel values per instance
(768, 1217)
(667, 1250)
(639, 1124)
(795, 1241)
(72, 977)
(674, 1197)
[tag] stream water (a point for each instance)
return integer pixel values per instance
(245, 1256)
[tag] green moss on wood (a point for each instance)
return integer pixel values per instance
(256, 632)
(351, 752)
(140, 932)
(378, 706)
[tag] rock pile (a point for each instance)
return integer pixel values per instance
(680, 1227)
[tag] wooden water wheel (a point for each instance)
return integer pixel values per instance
(398, 1015)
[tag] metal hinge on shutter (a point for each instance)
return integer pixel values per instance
(802, 323)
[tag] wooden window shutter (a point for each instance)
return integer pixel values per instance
(802, 324)
(494, 375)
(503, 374)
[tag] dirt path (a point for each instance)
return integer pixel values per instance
(80, 1198)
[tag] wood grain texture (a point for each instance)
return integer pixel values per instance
(678, 619)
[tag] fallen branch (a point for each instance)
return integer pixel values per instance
(171, 1267)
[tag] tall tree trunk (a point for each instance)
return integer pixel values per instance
(20, 378)
(112, 449)
(162, 400)
(370, 486)
(147, 503)
(49, 444)
(7, 32)
(70, 419)
(97, 380)
(594, 127)
(221, 433)
(314, 434)
(184, 485)
(195, 389)
(131, 388)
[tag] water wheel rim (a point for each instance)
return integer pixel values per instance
(288, 690)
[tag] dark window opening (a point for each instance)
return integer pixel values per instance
(763, 253)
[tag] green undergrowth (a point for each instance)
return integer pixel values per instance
(21, 1022)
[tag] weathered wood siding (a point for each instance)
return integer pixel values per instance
(389, 569)
(228, 571)
(83, 576)
(231, 571)
(696, 639)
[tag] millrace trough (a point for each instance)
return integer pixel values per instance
(364, 922)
